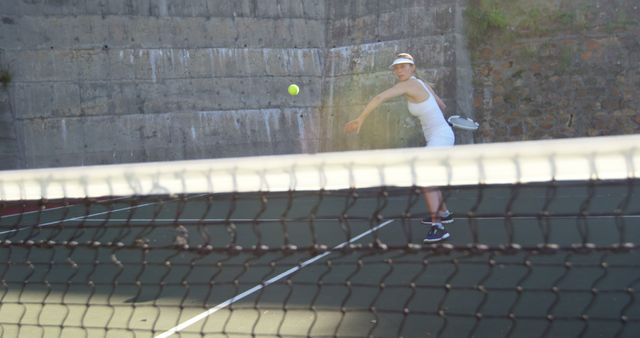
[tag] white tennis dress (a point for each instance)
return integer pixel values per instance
(436, 130)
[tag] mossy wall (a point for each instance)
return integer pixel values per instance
(554, 68)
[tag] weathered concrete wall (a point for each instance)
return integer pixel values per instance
(553, 69)
(9, 153)
(98, 81)
(365, 37)
(126, 81)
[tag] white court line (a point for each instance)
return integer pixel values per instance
(52, 209)
(260, 286)
(84, 216)
(74, 218)
(196, 220)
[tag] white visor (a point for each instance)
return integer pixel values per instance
(399, 61)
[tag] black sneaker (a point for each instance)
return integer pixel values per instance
(443, 220)
(436, 234)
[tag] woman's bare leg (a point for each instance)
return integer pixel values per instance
(434, 202)
(435, 205)
(443, 205)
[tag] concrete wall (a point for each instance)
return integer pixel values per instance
(97, 81)
(126, 81)
(365, 36)
(112, 81)
(9, 152)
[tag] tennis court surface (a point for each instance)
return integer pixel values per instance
(544, 244)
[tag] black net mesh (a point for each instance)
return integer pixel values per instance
(546, 259)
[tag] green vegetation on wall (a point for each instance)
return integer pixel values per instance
(484, 17)
(574, 60)
(510, 19)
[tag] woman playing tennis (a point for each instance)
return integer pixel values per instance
(427, 107)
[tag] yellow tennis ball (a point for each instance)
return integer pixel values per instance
(294, 89)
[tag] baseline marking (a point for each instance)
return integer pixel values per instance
(263, 220)
(41, 225)
(54, 208)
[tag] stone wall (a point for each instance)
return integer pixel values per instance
(365, 37)
(552, 69)
(126, 81)
(9, 153)
(96, 81)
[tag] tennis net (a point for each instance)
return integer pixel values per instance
(544, 243)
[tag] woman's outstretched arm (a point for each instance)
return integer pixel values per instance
(397, 90)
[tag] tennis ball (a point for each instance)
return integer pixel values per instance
(294, 89)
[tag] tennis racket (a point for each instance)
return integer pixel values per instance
(462, 122)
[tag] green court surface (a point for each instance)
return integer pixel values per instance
(523, 261)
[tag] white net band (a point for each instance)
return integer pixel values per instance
(605, 158)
